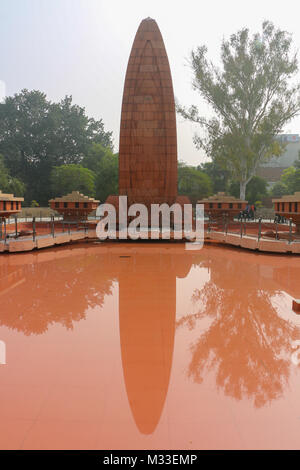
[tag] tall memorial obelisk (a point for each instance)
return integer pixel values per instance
(148, 142)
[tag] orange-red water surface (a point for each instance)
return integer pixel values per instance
(149, 346)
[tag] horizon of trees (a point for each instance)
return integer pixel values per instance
(37, 135)
(50, 149)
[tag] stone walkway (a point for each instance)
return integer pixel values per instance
(42, 241)
(249, 242)
(252, 242)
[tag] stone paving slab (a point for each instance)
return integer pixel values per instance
(17, 246)
(45, 242)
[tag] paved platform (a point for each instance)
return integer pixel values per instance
(22, 244)
(249, 241)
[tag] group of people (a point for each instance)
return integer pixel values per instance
(280, 219)
(248, 213)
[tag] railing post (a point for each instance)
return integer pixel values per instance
(259, 228)
(69, 229)
(0, 228)
(16, 226)
(52, 225)
(276, 229)
(33, 229)
(5, 229)
(290, 231)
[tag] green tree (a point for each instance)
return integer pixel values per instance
(107, 176)
(279, 189)
(37, 134)
(72, 177)
(8, 184)
(291, 179)
(256, 189)
(251, 99)
(94, 155)
(105, 165)
(218, 175)
(193, 183)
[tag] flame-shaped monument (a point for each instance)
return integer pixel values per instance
(148, 143)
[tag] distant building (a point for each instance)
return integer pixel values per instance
(9, 205)
(273, 169)
(74, 206)
(289, 207)
(221, 204)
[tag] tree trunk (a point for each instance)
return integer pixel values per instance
(243, 186)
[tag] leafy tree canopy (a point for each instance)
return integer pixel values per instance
(251, 96)
(72, 177)
(9, 184)
(105, 165)
(256, 189)
(218, 175)
(94, 155)
(37, 134)
(107, 176)
(291, 179)
(279, 189)
(193, 183)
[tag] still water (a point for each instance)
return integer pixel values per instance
(129, 346)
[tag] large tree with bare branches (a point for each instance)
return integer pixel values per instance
(253, 96)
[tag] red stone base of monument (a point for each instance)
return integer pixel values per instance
(114, 201)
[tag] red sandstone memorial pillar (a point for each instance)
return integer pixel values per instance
(148, 142)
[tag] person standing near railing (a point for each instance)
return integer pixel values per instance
(252, 212)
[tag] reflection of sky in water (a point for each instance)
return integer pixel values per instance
(149, 346)
(282, 302)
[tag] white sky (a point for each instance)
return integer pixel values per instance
(81, 48)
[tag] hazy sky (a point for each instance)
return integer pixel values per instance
(81, 48)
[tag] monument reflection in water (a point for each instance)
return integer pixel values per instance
(147, 310)
(236, 334)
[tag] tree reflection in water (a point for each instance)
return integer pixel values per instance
(247, 345)
(60, 290)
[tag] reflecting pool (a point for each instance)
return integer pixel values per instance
(149, 346)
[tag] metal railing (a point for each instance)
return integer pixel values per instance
(50, 228)
(254, 228)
